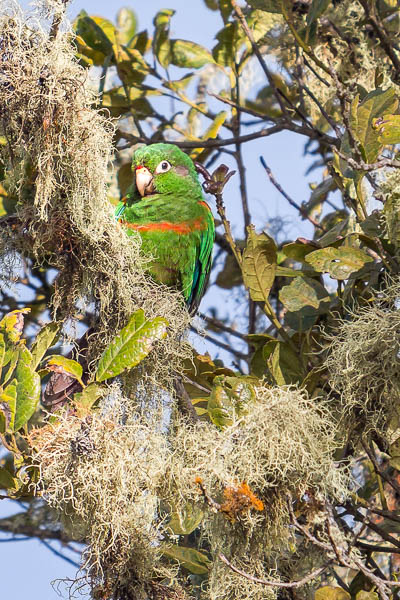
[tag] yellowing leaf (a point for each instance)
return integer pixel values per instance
(388, 128)
(329, 592)
(13, 324)
(133, 343)
(259, 265)
(363, 115)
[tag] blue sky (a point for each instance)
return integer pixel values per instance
(28, 567)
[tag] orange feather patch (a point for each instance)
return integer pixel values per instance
(183, 228)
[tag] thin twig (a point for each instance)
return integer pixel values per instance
(288, 198)
(292, 584)
(219, 325)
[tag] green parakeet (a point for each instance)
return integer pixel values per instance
(165, 206)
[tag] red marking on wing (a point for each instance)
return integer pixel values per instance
(183, 228)
(203, 203)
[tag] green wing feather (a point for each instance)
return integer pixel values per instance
(202, 268)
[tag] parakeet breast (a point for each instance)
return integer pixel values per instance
(172, 234)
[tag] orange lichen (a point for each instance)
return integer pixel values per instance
(238, 500)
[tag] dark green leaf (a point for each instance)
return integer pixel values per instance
(318, 7)
(228, 38)
(283, 363)
(131, 345)
(225, 7)
(7, 481)
(94, 36)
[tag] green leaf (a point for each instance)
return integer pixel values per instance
(194, 561)
(66, 366)
(8, 405)
(133, 343)
(179, 84)
(363, 115)
(283, 363)
(189, 54)
(131, 66)
(297, 251)
(28, 389)
(87, 398)
(305, 299)
(318, 7)
(161, 41)
(46, 338)
(7, 481)
(229, 399)
(259, 265)
(329, 592)
(97, 34)
(228, 39)
(2, 350)
(126, 25)
(186, 520)
(10, 359)
(305, 293)
(340, 263)
(388, 128)
(225, 7)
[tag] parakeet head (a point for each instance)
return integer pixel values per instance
(163, 169)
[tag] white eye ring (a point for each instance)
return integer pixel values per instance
(163, 167)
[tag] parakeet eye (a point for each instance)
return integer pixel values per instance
(163, 167)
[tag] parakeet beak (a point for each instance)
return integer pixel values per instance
(144, 181)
